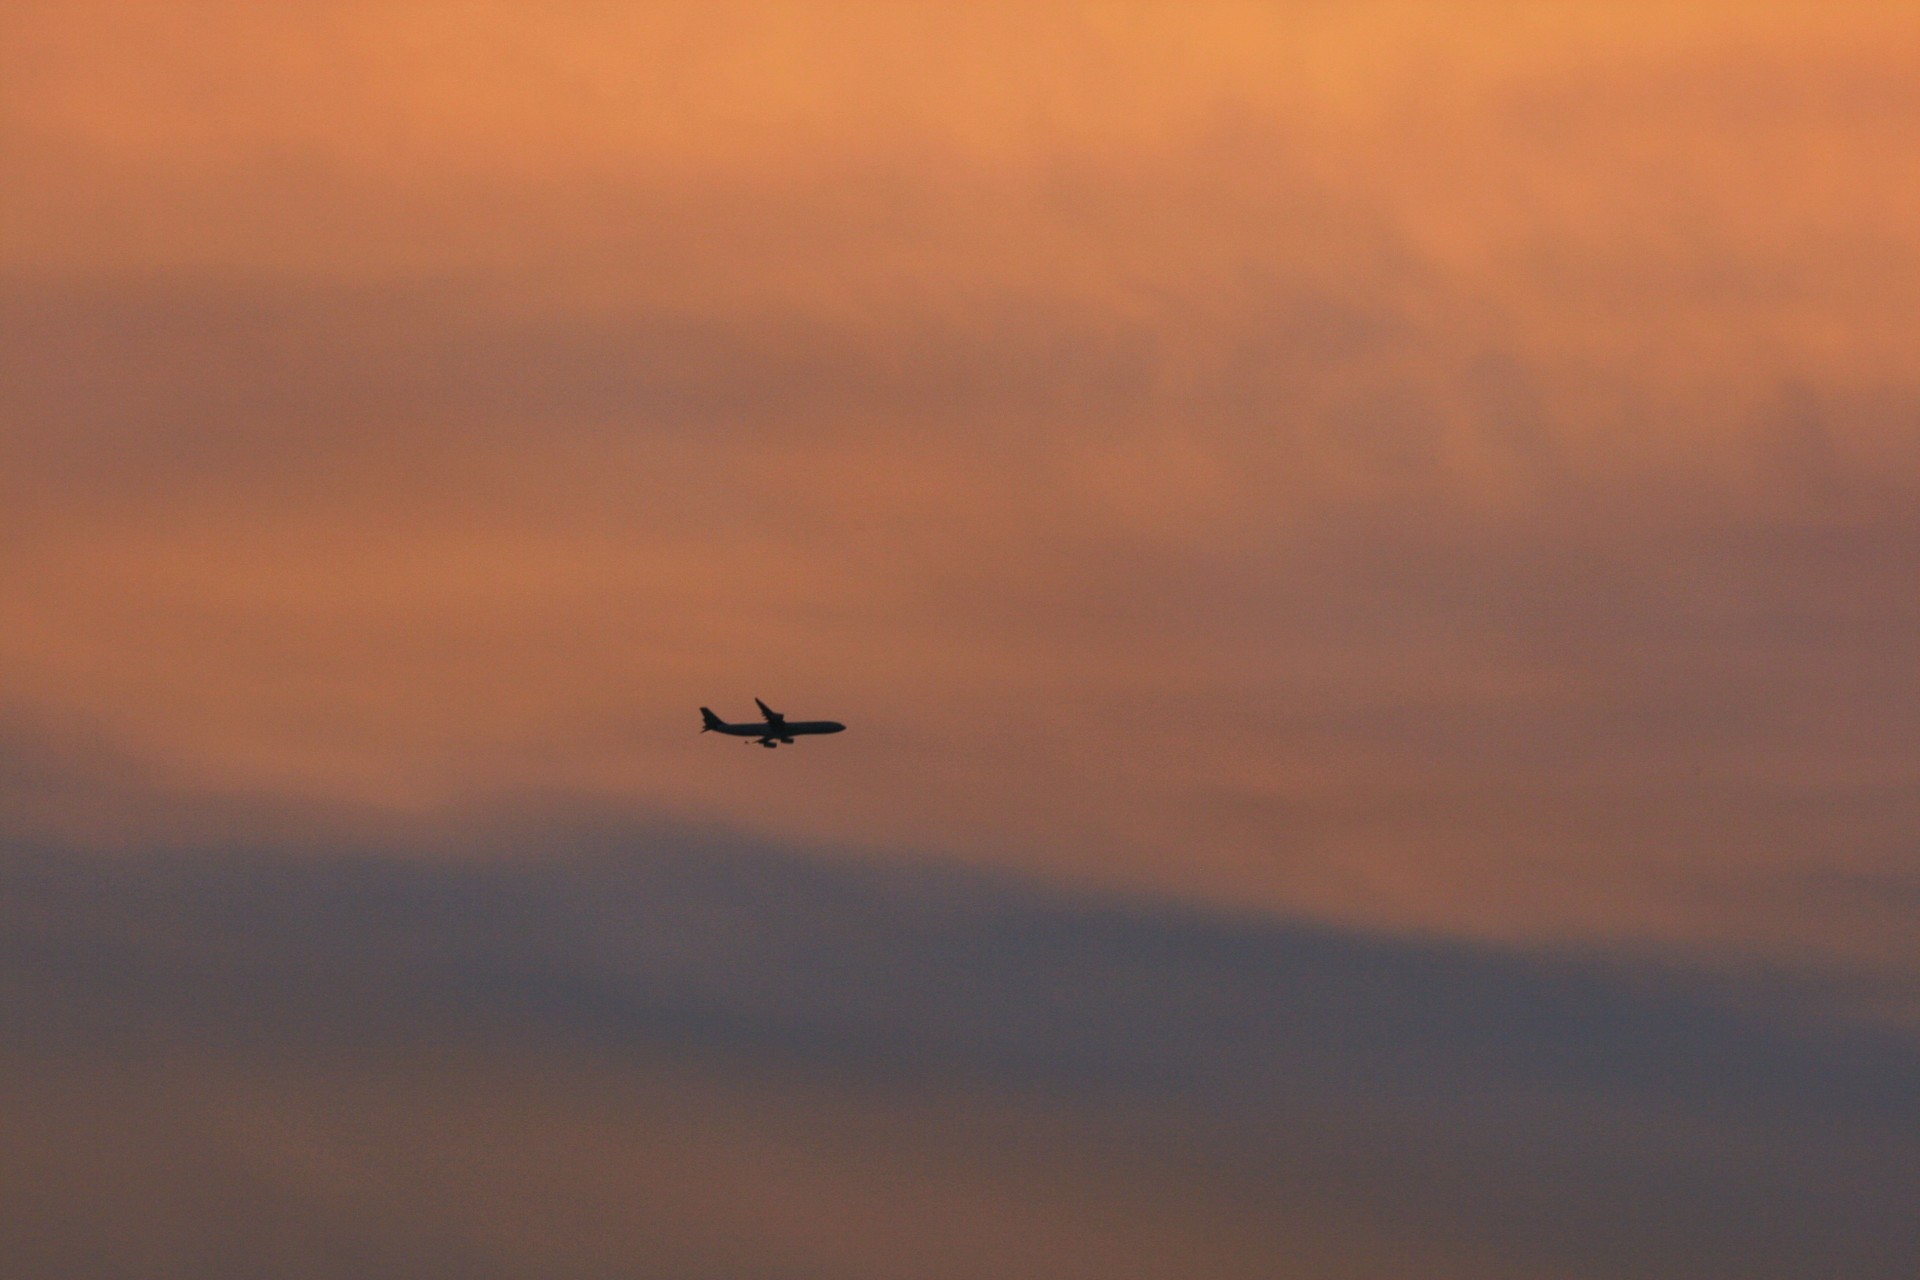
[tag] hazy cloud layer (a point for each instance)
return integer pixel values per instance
(607, 1010)
(1454, 474)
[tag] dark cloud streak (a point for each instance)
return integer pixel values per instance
(1609, 1082)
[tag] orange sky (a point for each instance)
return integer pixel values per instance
(1437, 466)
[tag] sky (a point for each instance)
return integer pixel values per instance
(1442, 475)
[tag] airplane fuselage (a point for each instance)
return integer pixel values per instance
(791, 729)
(771, 731)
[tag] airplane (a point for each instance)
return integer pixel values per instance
(775, 730)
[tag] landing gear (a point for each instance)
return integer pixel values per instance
(769, 745)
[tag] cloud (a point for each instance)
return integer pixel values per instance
(1348, 481)
(1449, 476)
(1413, 1090)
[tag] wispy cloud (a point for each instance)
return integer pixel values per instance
(1450, 475)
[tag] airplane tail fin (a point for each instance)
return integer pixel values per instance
(708, 721)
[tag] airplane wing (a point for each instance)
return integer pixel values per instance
(774, 718)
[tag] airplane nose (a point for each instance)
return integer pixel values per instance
(834, 726)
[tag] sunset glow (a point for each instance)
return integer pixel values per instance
(1447, 471)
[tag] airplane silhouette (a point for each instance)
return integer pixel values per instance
(775, 730)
